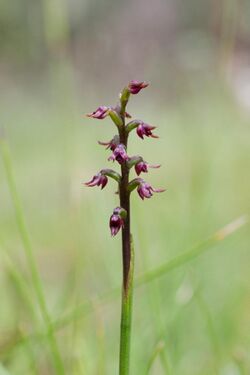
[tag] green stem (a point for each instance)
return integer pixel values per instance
(127, 261)
(36, 281)
(126, 318)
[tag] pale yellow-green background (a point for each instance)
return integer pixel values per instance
(62, 59)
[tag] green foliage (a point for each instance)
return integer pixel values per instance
(200, 311)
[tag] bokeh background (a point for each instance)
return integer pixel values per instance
(61, 59)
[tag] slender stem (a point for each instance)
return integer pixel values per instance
(125, 203)
(126, 319)
(57, 360)
(128, 264)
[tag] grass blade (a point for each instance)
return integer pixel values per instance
(162, 270)
(156, 353)
(194, 252)
(38, 288)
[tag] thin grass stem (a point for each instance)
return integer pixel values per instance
(37, 284)
(156, 353)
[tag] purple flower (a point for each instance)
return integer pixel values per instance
(136, 86)
(143, 166)
(145, 129)
(111, 144)
(145, 190)
(119, 154)
(97, 180)
(117, 220)
(100, 113)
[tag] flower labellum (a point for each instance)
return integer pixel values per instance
(143, 166)
(98, 180)
(119, 154)
(117, 220)
(145, 129)
(115, 223)
(100, 113)
(145, 190)
(136, 86)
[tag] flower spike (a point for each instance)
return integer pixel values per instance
(120, 218)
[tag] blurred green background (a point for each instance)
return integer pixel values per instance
(61, 59)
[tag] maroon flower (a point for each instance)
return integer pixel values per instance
(111, 144)
(100, 113)
(145, 190)
(136, 86)
(145, 129)
(143, 166)
(119, 154)
(97, 180)
(117, 220)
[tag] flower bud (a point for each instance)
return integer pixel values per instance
(136, 86)
(127, 115)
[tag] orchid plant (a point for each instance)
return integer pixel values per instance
(120, 218)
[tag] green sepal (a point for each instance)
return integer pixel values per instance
(123, 213)
(116, 118)
(132, 125)
(124, 98)
(111, 173)
(133, 161)
(133, 184)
